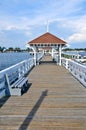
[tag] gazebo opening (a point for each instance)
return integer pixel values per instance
(47, 43)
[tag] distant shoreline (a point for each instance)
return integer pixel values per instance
(13, 51)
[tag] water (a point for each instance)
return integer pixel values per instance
(9, 59)
(81, 53)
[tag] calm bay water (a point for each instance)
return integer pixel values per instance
(9, 59)
(82, 53)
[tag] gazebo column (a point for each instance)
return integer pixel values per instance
(37, 61)
(43, 52)
(34, 51)
(35, 57)
(52, 52)
(60, 48)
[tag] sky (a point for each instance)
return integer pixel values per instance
(23, 20)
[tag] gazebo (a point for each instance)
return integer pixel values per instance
(47, 40)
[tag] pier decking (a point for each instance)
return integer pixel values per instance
(54, 101)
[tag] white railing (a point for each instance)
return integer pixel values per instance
(17, 70)
(39, 56)
(21, 67)
(55, 57)
(78, 70)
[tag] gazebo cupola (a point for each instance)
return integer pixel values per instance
(47, 40)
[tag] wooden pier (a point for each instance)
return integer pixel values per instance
(55, 100)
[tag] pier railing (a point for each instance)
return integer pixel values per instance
(55, 57)
(15, 72)
(39, 56)
(78, 70)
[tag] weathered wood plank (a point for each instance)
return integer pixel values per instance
(55, 101)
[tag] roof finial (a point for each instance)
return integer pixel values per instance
(47, 25)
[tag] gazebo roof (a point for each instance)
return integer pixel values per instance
(47, 38)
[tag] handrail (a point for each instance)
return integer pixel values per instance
(40, 55)
(15, 66)
(18, 70)
(55, 57)
(20, 64)
(78, 70)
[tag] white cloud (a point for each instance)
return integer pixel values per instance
(13, 25)
(27, 21)
(77, 37)
(78, 27)
(54, 10)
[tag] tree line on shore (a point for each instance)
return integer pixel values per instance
(75, 49)
(11, 49)
(17, 49)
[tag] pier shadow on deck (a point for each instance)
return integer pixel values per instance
(32, 113)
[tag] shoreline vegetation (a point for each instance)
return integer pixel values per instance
(75, 49)
(11, 49)
(17, 49)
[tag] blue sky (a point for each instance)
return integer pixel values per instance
(24, 20)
